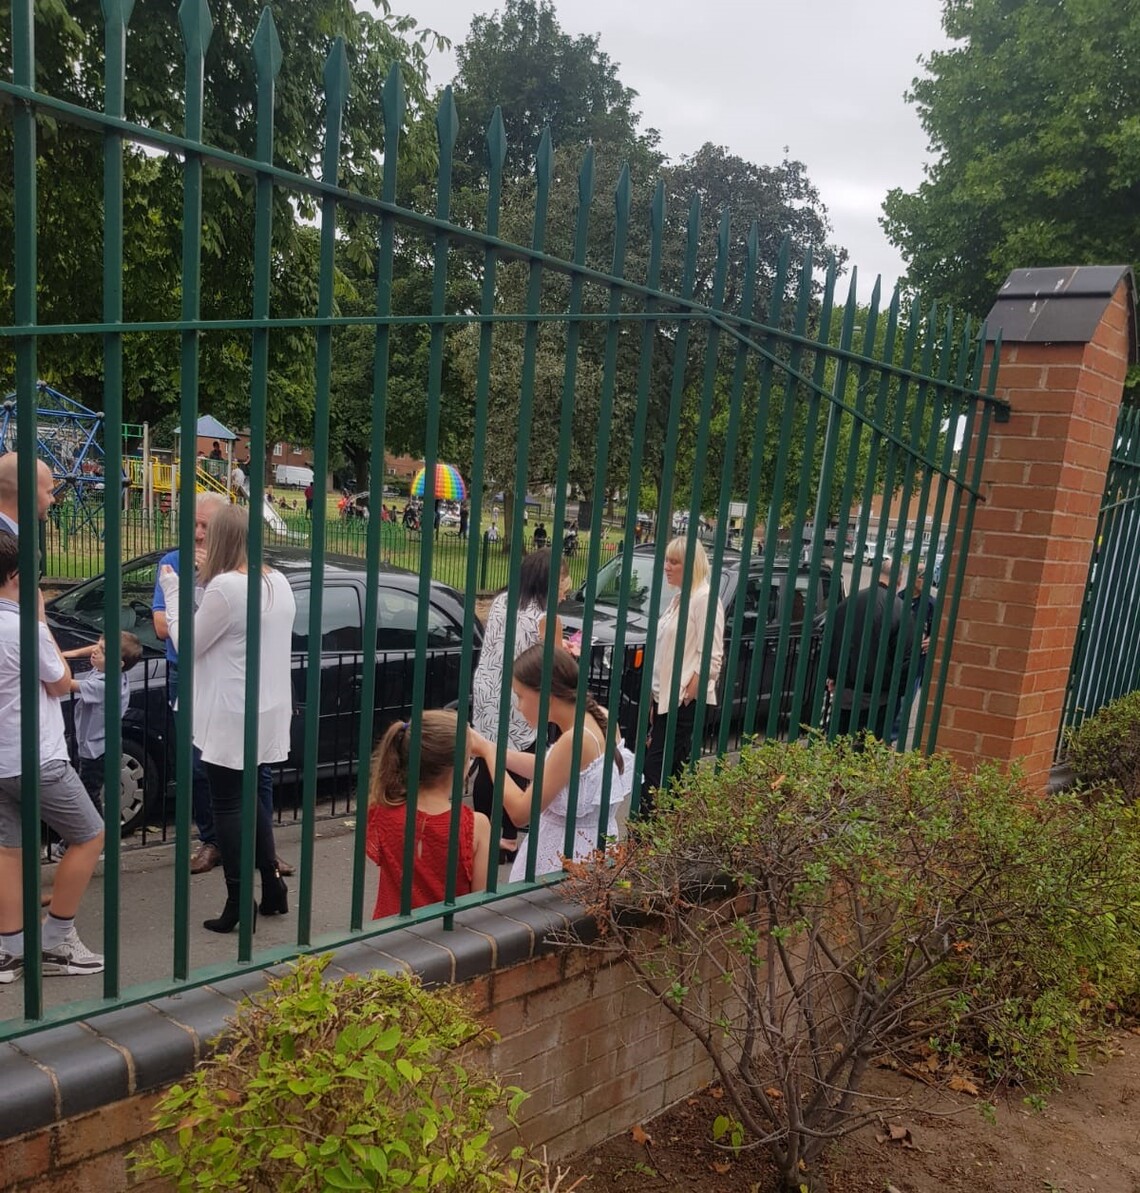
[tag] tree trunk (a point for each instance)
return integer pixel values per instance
(508, 519)
(361, 459)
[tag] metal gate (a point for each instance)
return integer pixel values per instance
(1106, 658)
(808, 443)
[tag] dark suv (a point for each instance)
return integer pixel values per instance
(76, 618)
(760, 629)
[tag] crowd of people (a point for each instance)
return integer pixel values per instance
(524, 658)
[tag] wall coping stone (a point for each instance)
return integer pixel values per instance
(52, 1074)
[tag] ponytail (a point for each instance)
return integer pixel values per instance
(389, 777)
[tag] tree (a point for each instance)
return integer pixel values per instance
(70, 67)
(541, 77)
(1035, 117)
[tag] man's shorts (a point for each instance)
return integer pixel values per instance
(65, 806)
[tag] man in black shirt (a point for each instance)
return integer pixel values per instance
(883, 620)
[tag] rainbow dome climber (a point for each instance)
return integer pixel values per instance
(448, 484)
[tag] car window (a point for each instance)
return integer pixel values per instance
(86, 602)
(397, 612)
(640, 582)
(340, 619)
(806, 601)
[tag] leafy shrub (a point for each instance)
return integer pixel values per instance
(814, 906)
(1105, 749)
(355, 1084)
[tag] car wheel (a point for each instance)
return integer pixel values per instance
(138, 777)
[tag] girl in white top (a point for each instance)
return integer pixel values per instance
(530, 628)
(220, 651)
(682, 709)
(554, 798)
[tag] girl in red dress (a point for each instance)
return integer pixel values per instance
(387, 817)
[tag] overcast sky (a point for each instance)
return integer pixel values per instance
(823, 77)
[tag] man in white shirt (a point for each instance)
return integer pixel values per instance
(64, 804)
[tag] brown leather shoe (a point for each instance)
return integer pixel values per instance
(207, 857)
(284, 869)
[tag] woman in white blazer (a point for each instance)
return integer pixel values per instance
(680, 707)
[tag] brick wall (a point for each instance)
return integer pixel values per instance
(83, 1154)
(596, 1054)
(1028, 558)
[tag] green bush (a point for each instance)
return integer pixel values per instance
(362, 1083)
(819, 905)
(1104, 750)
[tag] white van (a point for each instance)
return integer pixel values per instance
(294, 475)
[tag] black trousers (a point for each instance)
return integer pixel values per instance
(876, 720)
(656, 771)
(225, 794)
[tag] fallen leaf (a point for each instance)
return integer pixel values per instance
(777, 781)
(885, 1061)
(896, 1133)
(691, 1102)
(963, 1085)
(773, 1092)
(639, 1134)
(721, 1167)
(931, 1062)
(716, 1092)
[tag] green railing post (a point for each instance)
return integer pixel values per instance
(336, 81)
(24, 314)
(117, 14)
(197, 26)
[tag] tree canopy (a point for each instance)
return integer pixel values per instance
(70, 66)
(1034, 115)
(522, 61)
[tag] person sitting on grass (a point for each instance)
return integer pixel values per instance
(388, 817)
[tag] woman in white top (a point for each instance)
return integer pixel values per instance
(555, 796)
(530, 628)
(219, 696)
(682, 710)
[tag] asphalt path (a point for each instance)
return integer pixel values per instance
(147, 913)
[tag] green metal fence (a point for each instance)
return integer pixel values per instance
(74, 544)
(1106, 657)
(810, 446)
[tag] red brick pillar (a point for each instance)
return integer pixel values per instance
(1068, 336)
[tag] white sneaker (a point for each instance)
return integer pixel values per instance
(11, 967)
(71, 956)
(58, 849)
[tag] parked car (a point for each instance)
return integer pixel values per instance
(759, 631)
(76, 619)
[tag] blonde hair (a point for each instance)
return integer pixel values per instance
(698, 571)
(389, 780)
(227, 542)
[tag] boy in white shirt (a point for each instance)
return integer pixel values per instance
(64, 804)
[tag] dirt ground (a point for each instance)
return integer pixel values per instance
(1085, 1137)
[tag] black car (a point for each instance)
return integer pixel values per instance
(760, 630)
(76, 619)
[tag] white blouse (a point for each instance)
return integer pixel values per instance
(220, 666)
(694, 641)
